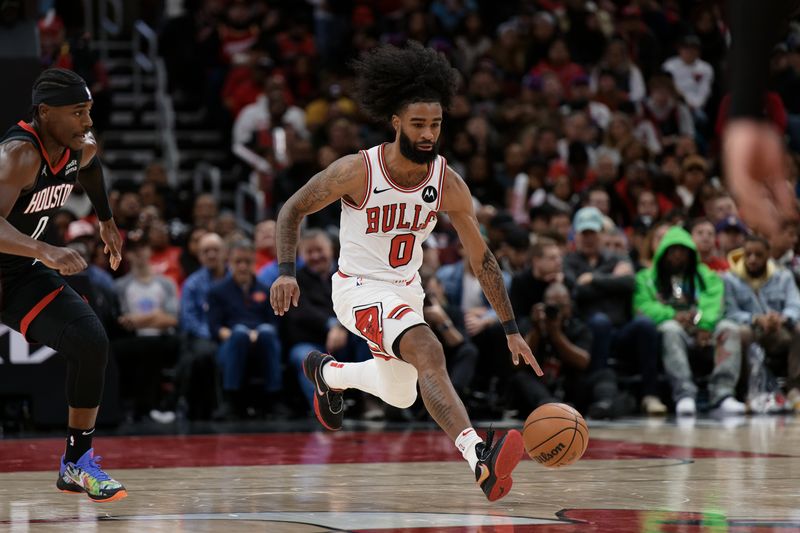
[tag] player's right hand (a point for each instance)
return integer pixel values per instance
(284, 292)
(66, 261)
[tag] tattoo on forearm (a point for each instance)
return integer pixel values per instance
(443, 403)
(491, 280)
(288, 227)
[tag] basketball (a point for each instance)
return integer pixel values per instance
(555, 435)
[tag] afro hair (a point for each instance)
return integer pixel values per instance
(390, 78)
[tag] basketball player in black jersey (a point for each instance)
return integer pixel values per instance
(40, 163)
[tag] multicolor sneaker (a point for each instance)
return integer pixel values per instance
(328, 403)
(87, 476)
(495, 463)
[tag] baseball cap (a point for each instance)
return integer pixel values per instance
(78, 229)
(731, 223)
(588, 219)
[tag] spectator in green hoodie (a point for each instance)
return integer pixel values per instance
(684, 298)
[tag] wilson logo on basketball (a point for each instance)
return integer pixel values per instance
(544, 457)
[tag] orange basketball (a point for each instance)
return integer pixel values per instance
(555, 435)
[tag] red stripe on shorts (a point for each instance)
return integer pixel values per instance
(397, 310)
(403, 313)
(34, 312)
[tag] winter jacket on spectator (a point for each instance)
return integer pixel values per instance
(746, 296)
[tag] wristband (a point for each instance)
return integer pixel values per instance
(510, 327)
(286, 269)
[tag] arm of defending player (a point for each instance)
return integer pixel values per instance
(753, 149)
(457, 202)
(344, 177)
(19, 164)
(92, 181)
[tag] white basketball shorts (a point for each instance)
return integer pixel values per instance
(377, 311)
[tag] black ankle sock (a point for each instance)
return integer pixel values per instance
(78, 443)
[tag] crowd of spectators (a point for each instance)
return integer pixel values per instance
(588, 133)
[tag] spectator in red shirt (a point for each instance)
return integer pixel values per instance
(165, 258)
(705, 236)
(296, 41)
(264, 237)
(559, 62)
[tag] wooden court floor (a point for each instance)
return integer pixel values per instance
(638, 475)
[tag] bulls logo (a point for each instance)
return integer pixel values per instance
(429, 194)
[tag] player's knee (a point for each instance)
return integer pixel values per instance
(85, 339)
(399, 384)
(401, 395)
(425, 352)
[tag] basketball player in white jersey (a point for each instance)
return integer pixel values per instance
(391, 195)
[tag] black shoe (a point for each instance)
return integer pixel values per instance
(225, 412)
(328, 403)
(495, 463)
(601, 409)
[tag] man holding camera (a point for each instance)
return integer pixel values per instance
(562, 342)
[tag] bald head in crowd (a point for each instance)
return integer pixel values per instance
(212, 253)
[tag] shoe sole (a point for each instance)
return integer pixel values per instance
(507, 460)
(116, 497)
(316, 399)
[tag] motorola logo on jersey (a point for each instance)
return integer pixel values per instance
(429, 194)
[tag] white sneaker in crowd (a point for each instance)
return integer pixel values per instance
(732, 406)
(686, 407)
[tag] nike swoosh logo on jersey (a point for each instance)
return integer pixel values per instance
(378, 191)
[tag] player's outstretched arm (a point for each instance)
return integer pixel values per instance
(92, 181)
(457, 202)
(344, 177)
(753, 149)
(19, 165)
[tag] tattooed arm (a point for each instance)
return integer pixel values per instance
(345, 177)
(457, 202)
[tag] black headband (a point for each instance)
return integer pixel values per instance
(60, 96)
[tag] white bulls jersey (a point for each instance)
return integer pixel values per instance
(382, 238)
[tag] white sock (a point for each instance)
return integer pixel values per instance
(465, 443)
(361, 376)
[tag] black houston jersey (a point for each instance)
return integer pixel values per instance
(36, 205)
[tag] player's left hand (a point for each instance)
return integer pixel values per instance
(518, 347)
(113, 242)
(753, 156)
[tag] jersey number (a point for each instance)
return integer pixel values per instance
(401, 250)
(40, 227)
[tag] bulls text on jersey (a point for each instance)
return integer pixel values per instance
(393, 216)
